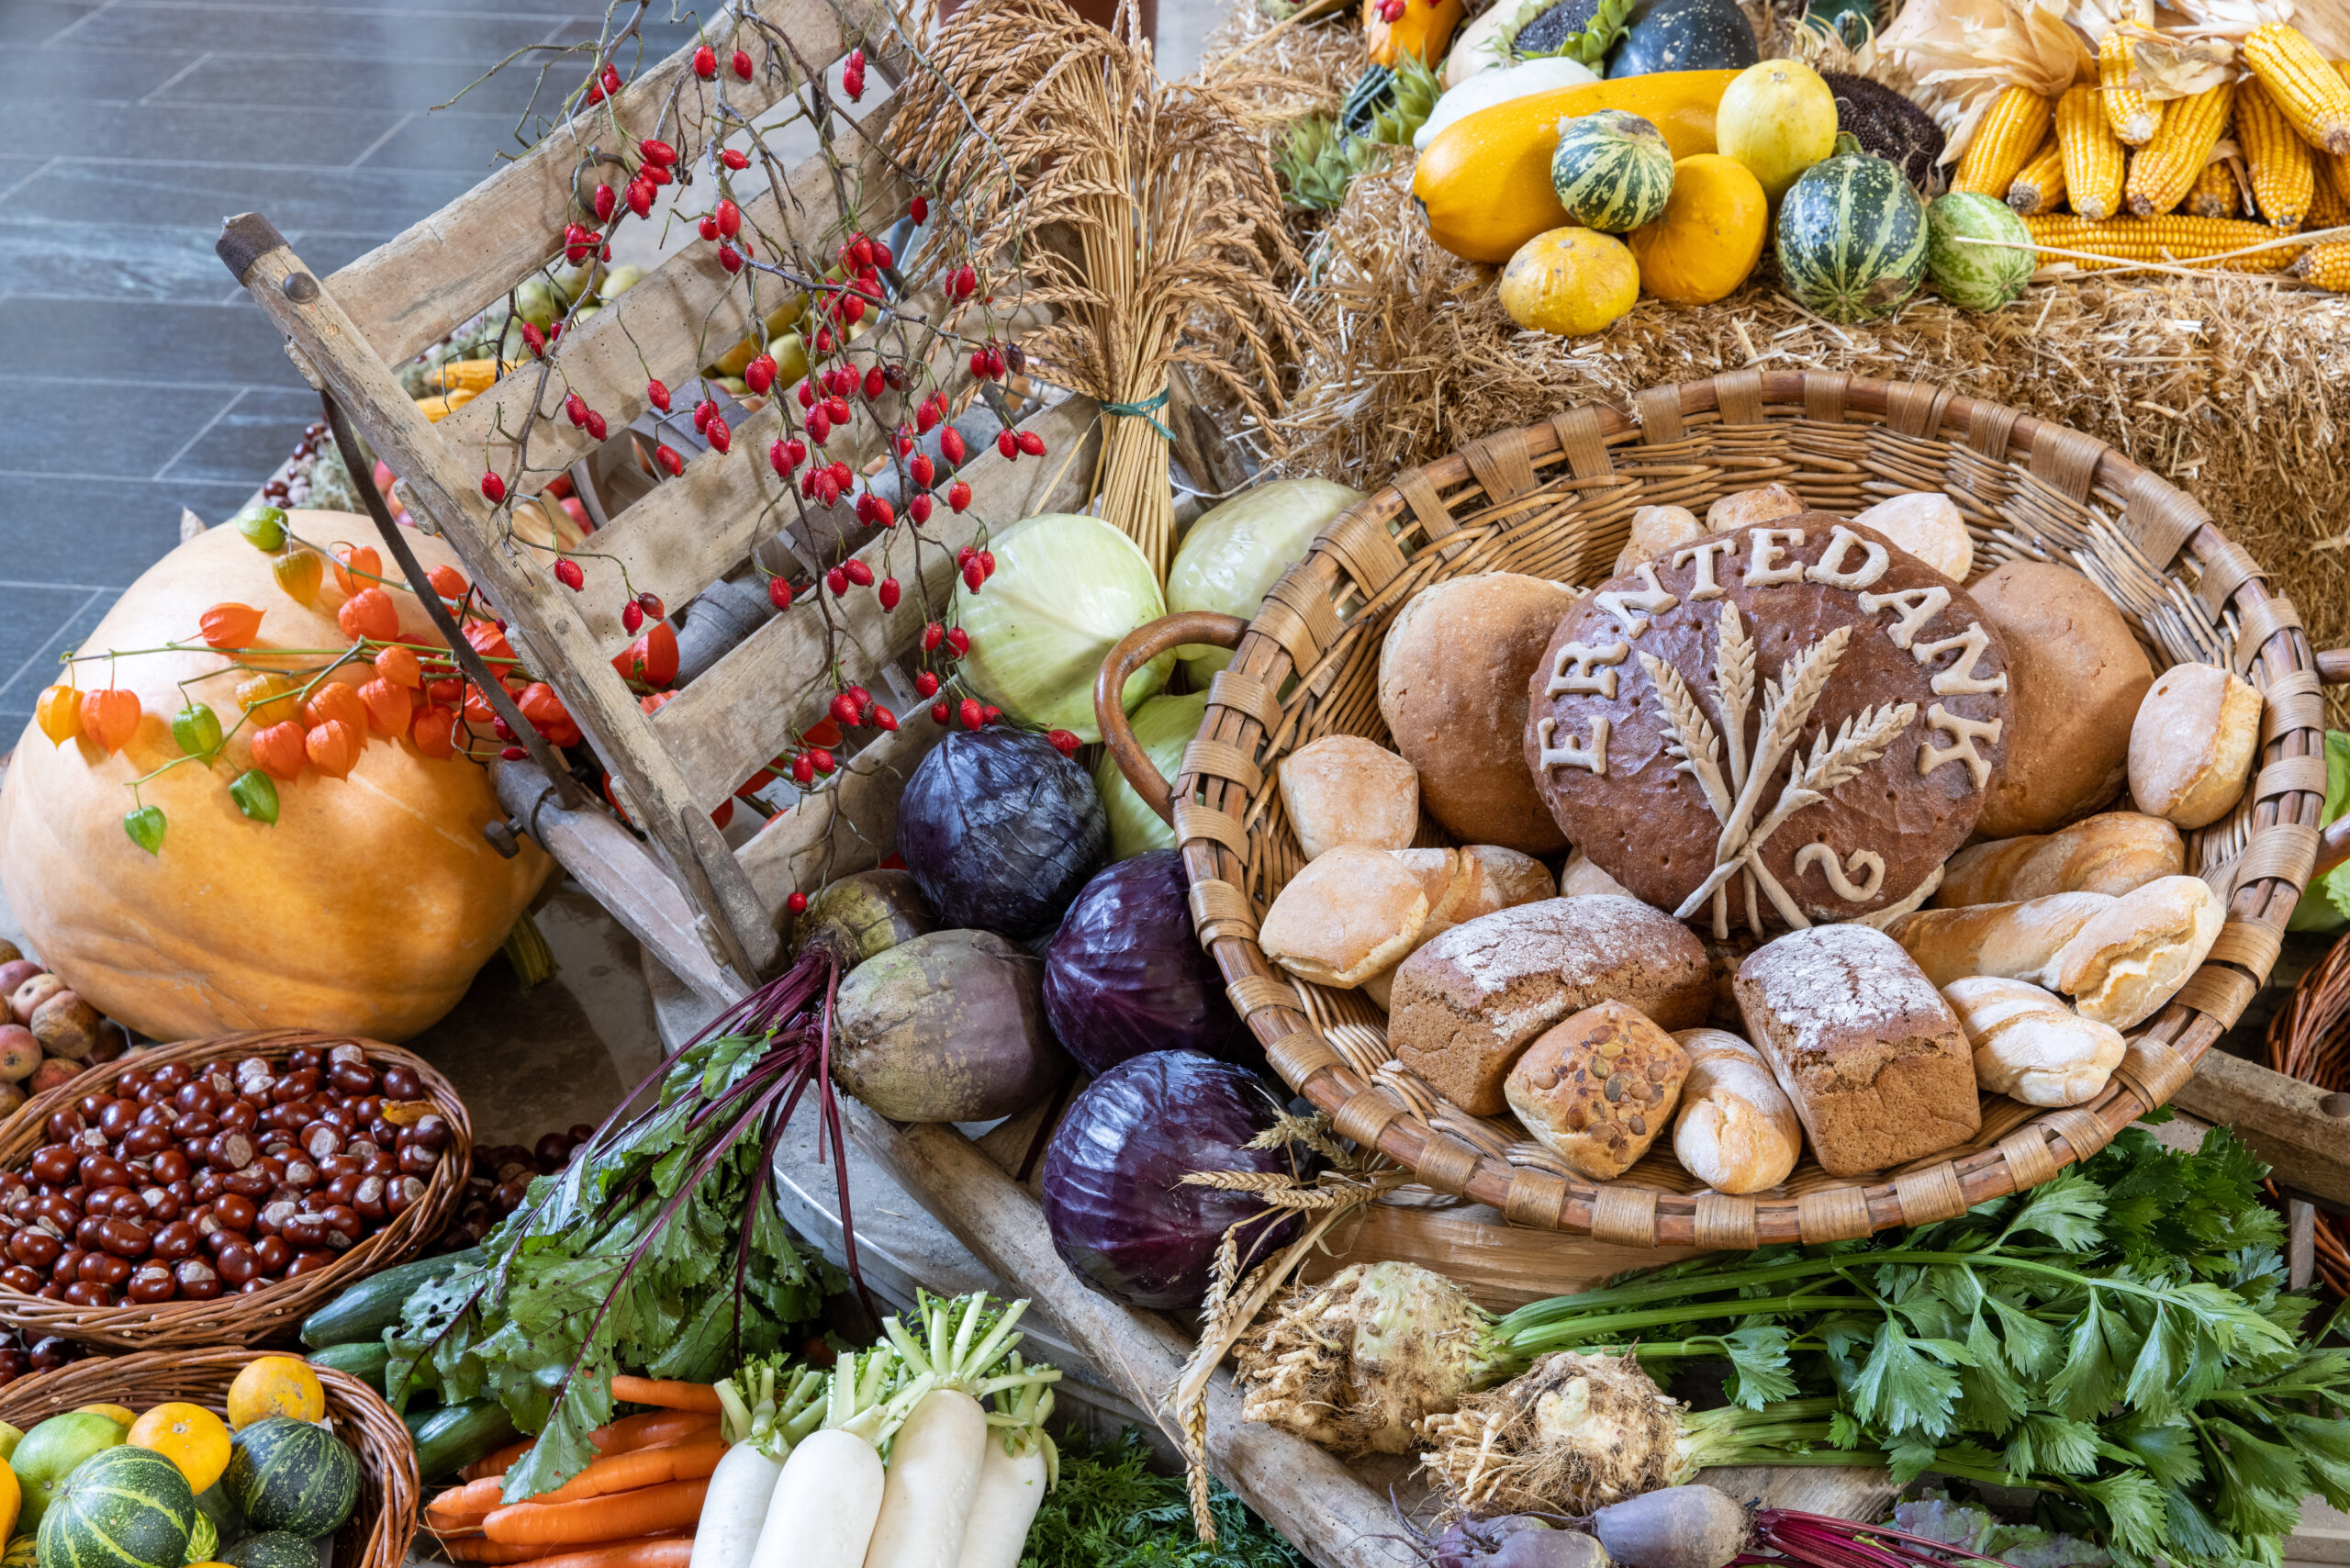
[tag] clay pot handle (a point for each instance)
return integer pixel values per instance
(1141, 645)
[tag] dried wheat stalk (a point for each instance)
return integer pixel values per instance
(1035, 125)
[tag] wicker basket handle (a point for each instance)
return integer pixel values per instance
(1141, 645)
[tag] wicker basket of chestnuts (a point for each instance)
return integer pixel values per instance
(215, 1192)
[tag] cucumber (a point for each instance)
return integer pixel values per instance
(449, 1438)
(362, 1359)
(373, 1305)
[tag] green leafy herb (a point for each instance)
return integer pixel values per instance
(1110, 1511)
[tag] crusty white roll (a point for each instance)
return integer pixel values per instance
(1738, 1132)
(1928, 525)
(1461, 885)
(1346, 789)
(1583, 878)
(2028, 1046)
(2113, 852)
(2017, 940)
(1353, 912)
(2192, 744)
(1742, 507)
(1657, 531)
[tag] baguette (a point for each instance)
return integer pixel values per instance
(2016, 940)
(2113, 852)
(1738, 1132)
(2028, 1046)
(2119, 958)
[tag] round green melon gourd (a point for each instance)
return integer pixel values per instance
(289, 1475)
(122, 1508)
(1613, 171)
(1977, 277)
(1851, 239)
(272, 1549)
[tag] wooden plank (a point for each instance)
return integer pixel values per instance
(1501, 1265)
(846, 827)
(684, 314)
(2283, 1120)
(1302, 1492)
(409, 292)
(542, 624)
(725, 726)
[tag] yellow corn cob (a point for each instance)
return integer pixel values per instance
(461, 375)
(2133, 118)
(2284, 173)
(2215, 194)
(2189, 241)
(2326, 265)
(440, 405)
(2093, 156)
(2012, 131)
(2166, 169)
(2042, 184)
(2312, 96)
(2327, 208)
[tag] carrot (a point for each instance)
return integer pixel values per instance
(652, 1427)
(481, 1548)
(661, 1552)
(668, 1393)
(498, 1463)
(690, 1460)
(672, 1505)
(468, 1505)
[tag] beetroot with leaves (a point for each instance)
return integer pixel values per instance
(1125, 974)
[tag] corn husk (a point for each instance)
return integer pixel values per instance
(1961, 53)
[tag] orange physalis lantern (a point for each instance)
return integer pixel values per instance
(490, 642)
(547, 714)
(356, 567)
(280, 751)
(398, 663)
(388, 707)
(268, 698)
(435, 732)
(651, 658)
(110, 717)
(333, 747)
(447, 582)
(58, 711)
(333, 699)
(229, 625)
(369, 613)
(297, 573)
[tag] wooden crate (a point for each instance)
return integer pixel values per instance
(706, 908)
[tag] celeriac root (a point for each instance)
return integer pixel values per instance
(1573, 1435)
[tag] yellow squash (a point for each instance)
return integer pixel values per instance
(1710, 236)
(1574, 282)
(1421, 28)
(1484, 182)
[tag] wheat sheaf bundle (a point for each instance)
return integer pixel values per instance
(1142, 212)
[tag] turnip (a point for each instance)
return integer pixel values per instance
(1680, 1526)
(1512, 1540)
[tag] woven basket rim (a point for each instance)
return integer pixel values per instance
(235, 1317)
(1358, 571)
(362, 1418)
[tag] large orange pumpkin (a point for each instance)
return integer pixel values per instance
(367, 908)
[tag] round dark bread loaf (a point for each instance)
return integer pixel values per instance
(1659, 758)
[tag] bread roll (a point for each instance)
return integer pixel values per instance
(1868, 1052)
(2018, 940)
(1738, 1132)
(2028, 1046)
(2075, 677)
(2192, 744)
(1598, 1087)
(1346, 789)
(1740, 507)
(1928, 525)
(1656, 531)
(1347, 916)
(2123, 965)
(1462, 884)
(1452, 687)
(2112, 851)
(1465, 1005)
(1583, 879)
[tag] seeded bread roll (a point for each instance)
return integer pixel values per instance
(2075, 675)
(2113, 852)
(1656, 531)
(1346, 789)
(1928, 525)
(1467, 1004)
(1598, 1087)
(1872, 1056)
(1343, 918)
(1452, 687)
(1737, 1132)
(2029, 1046)
(2192, 744)
(1742, 507)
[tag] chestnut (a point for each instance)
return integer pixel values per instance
(274, 1213)
(237, 1263)
(82, 1293)
(151, 1282)
(89, 1233)
(335, 1165)
(20, 1278)
(297, 1085)
(117, 1117)
(64, 1123)
(551, 1152)
(343, 1228)
(274, 1253)
(236, 1211)
(339, 1190)
(304, 1229)
(230, 1151)
(145, 1142)
(252, 1181)
(509, 1195)
(401, 1082)
(34, 1248)
(49, 1352)
(196, 1279)
(53, 1164)
(400, 1191)
(383, 1162)
(171, 1076)
(171, 1166)
(177, 1241)
(208, 1185)
(156, 1112)
(195, 1095)
(309, 1263)
(353, 1079)
(300, 1174)
(303, 1058)
(431, 1131)
(241, 1116)
(93, 1104)
(105, 1269)
(320, 1140)
(191, 1125)
(161, 1206)
(122, 1237)
(98, 1170)
(418, 1160)
(367, 1197)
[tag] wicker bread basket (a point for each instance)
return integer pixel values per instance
(1556, 500)
(380, 1527)
(2309, 1040)
(234, 1318)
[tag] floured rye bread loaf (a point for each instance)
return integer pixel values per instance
(1465, 1006)
(1647, 734)
(1873, 1056)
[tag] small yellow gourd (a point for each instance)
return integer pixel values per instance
(1710, 235)
(1572, 282)
(1394, 28)
(1778, 119)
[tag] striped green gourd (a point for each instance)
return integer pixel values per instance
(122, 1508)
(289, 1475)
(1852, 236)
(1977, 276)
(1613, 171)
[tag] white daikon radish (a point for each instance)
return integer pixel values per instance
(824, 1505)
(726, 1534)
(1019, 1468)
(1499, 86)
